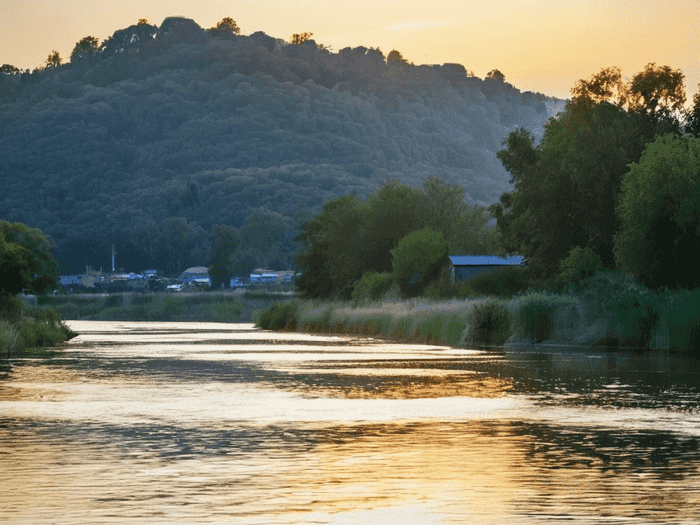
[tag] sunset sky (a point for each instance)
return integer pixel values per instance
(540, 45)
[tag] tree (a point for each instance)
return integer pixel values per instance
(567, 187)
(692, 116)
(395, 57)
(606, 86)
(418, 260)
(143, 22)
(657, 88)
(226, 26)
(54, 59)
(351, 237)
(224, 241)
(85, 49)
(8, 69)
(300, 38)
(26, 262)
(495, 74)
(659, 210)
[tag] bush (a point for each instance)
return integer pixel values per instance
(581, 263)
(10, 338)
(10, 307)
(504, 282)
(372, 286)
(280, 316)
(488, 324)
(534, 314)
(418, 259)
(631, 309)
(681, 311)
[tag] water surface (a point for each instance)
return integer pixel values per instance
(194, 422)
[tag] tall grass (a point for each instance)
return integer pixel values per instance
(38, 328)
(217, 307)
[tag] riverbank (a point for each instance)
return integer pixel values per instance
(619, 318)
(226, 307)
(34, 333)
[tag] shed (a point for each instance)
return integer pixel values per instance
(464, 267)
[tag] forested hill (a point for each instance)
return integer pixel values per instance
(162, 132)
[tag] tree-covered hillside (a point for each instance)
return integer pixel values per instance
(149, 139)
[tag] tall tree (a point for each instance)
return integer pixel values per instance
(226, 26)
(300, 38)
(659, 210)
(26, 262)
(567, 187)
(54, 59)
(495, 74)
(85, 50)
(224, 241)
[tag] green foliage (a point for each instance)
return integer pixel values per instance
(488, 324)
(567, 187)
(659, 211)
(351, 237)
(503, 282)
(10, 307)
(581, 263)
(224, 241)
(630, 309)
(534, 314)
(279, 316)
(26, 262)
(418, 260)
(681, 313)
(372, 286)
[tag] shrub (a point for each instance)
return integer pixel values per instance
(10, 338)
(488, 324)
(534, 314)
(418, 259)
(278, 317)
(681, 311)
(372, 286)
(504, 282)
(581, 263)
(10, 307)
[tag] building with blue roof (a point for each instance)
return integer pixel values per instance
(464, 267)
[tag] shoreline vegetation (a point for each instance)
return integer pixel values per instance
(34, 332)
(610, 311)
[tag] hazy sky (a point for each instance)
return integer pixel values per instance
(540, 45)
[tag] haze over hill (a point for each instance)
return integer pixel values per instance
(166, 131)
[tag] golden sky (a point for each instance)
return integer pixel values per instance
(540, 45)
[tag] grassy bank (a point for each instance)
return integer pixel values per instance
(196, 306)
(610, 311)
(32, 333)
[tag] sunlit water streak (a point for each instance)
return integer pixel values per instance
(177, 422)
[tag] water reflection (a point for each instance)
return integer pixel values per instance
(220, 423)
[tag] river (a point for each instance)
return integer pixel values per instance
(221, 423)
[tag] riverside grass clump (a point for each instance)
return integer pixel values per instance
(488, 324)
(418, 321)
(535, 313)
(279, 316)
(32, 332)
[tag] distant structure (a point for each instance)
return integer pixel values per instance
(465, 267)
(198, 275)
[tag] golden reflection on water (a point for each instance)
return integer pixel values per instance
(139, 427)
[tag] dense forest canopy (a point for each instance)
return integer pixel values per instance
(150, 138)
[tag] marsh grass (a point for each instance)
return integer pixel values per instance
(217, 307)
(32, 333)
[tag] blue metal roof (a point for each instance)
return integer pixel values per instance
(486, 260)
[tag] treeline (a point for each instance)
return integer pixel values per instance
(398, 237)
(149, 139)
(613, 183)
